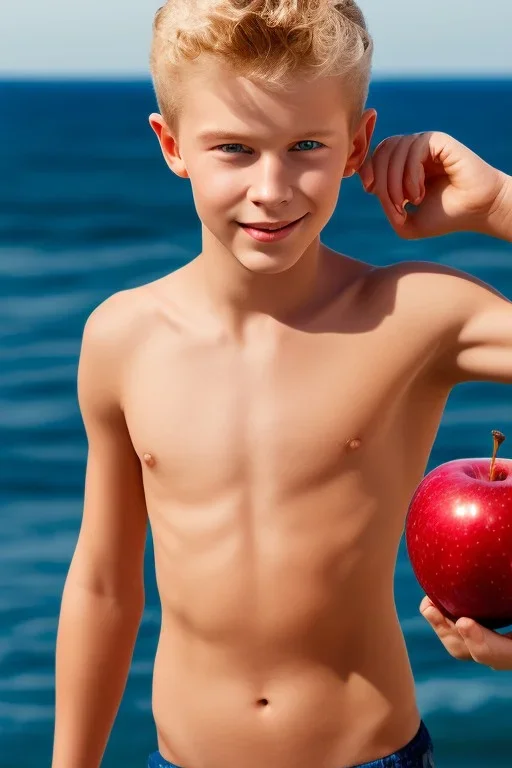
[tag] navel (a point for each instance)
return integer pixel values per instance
(149, 460)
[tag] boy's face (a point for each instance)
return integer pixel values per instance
(278, 157)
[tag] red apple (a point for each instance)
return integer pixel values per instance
(458, 534)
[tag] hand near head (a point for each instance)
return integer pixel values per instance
(453, 187)
(466, 640)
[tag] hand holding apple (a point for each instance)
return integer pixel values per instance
(459, 539)
(466, 640)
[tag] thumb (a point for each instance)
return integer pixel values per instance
(485, 646)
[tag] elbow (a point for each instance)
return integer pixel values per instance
(128, 599)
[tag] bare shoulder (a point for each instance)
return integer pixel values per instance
(420, 277)
(114, 325)
(433, 292)
(439, 305)
(110, 333)
(117, 316)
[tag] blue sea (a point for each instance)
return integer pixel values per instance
(87, 208)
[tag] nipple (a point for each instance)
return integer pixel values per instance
(353, 444)
(150, 461)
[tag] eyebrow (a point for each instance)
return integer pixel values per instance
(219, 135)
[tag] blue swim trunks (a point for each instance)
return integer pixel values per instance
(418, 753)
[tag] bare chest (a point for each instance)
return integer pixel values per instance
(286, 413)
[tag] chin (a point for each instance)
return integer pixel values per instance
(266, 263)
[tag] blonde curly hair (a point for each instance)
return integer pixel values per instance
(262, 40)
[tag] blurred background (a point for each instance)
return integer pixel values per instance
(88, 208)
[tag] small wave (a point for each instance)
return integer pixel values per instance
(460, 695)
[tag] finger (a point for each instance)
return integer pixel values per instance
(426, 603)
(430, 156)
(397, 188)
(381, 160)
(485, 646)
(446, 631)
(414, 171)
(419, 157)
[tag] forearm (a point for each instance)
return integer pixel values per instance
(500, 220)
(95, 642)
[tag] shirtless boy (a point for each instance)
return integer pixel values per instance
(270, 408)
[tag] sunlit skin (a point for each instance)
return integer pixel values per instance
(254, 407)
(455, 191)
(267, 163)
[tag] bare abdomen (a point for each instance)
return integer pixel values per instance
(339, 694)
(280, 644)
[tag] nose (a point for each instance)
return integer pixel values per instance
(270, 185)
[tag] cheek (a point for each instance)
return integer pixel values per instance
(212, 187)
(323, 179)
(322, 186)
(209, 202)
(215, 186)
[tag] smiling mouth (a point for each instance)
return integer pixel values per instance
(263, 229)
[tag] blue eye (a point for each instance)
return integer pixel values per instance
(309, 141)
(222, 147)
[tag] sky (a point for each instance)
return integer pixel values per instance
(111, 38)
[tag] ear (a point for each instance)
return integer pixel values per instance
(168, 145)
(361, 142)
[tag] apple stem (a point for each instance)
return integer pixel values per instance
(498, 438)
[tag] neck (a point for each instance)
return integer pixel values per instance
(237, 295)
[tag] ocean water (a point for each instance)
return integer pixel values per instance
(87, 208)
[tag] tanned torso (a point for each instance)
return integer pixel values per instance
(277, 474)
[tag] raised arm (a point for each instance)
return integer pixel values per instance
(103, 598)
(455, 191)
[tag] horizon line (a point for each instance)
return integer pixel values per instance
(113, 77)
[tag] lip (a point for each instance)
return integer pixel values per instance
(270, 237)
(267, 224)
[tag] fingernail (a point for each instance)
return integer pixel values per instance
(400, 210)
(417, 201)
